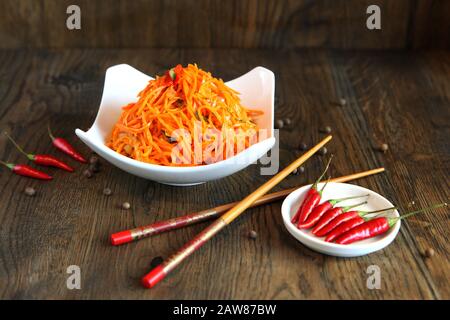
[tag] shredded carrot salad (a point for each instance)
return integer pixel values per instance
(184, 118)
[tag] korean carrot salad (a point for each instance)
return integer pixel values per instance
(185, 117)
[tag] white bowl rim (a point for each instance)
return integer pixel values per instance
(174, 169)
(388, 237)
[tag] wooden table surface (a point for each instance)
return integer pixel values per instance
(398, 98)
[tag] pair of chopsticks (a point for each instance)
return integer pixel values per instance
(138, 233)
(233, 210)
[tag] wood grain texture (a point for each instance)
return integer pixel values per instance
(224, 24)
(398, 98)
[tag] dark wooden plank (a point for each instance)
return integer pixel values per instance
(429, 26)
(388, 88)
(408, 108)
(388, 99)
(224, 24)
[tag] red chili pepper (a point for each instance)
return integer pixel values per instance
(341, 218)
(318, 211)
(365, 230)
(311, 199)
(178, 71)
(42, 159)
(329, 216)
(174, 74)
(344, 227)
(27, 171)
(50, 161)
(66, 147)
(375, 227)
(310, 192)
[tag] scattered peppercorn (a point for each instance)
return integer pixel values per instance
(326, 129)
(323, 151)
(93, 159)
(279, 124)
(29, 191)
(107, 191)
(410, 204)
(288, 121)
(303, 146)
(88, 173)
(252, 234)
(429, 252)
(156, 261)
(298, 170)
(126, 205)
(384, 147)
(342, 101)
(94, 167)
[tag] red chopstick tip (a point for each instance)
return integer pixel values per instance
(121, 238)
(153, 277)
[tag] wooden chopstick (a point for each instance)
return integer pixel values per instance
(162, 270)
(134, 234)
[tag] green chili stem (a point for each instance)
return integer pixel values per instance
(29, 156)
(50, 133)
(172, 74)
(377, 211)
(314, 186)
(393, 221)
(325, 184)
(345, 209)
(8, 165)
(334, 201)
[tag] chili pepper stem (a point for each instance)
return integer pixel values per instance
(325, 184)
(50, 133)
(8, 165)
(172, 73)
(363, 213)
(334, 201)
(345, 209)
(393, 221)
(28, 155)
(314, 186)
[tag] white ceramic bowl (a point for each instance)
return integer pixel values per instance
(123, 83)
(334, 191)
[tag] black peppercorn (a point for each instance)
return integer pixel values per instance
(384, 147)
(88, 173)
(303, 146)
(279, 124)
(326, 129)
(429, 252)
(29, 191)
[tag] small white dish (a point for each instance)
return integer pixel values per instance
(123, 83)
(334, 191)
